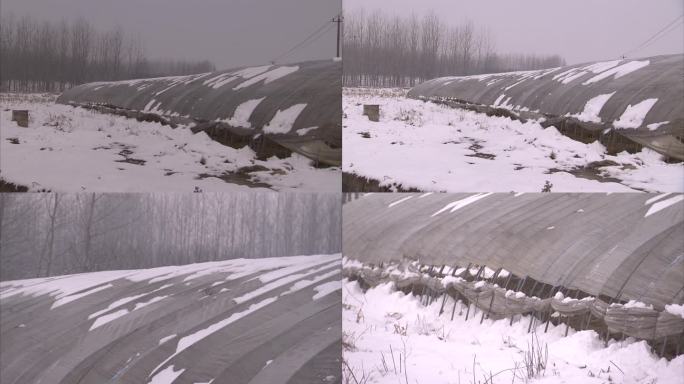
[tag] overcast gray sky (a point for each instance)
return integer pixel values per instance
(230, 33)
(578, 30)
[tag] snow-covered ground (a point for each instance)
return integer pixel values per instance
(432, 147)
(68, 149)
(390, 337)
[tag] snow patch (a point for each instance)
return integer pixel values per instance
(165, 339)
(268, 77)
(283, 120)
(659, 206)
(397, 202)
(304, 131)
(242, 113)
(166, 376)
(456, 205)
(327, 288)
(675, 309)
(592, 108)
(654, 126)
(193, 338)
(618, 71)
(634, 115)
(107, 318)
(70, 298)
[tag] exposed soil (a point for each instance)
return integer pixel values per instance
(482, 155)
(242, 177)
(355, 183)
(6, 186)
(592, 171)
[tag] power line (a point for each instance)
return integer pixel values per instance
(314, 38)
(310, 38)
(675, 26)
(655, 36)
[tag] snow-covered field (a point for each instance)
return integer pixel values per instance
(390, 337)
(68, 149)
(433, 147)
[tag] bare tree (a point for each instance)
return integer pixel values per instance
(397, 52)
(43, 56)
(47, 254)
(54, 234)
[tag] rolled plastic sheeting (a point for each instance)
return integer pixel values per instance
(642, 323)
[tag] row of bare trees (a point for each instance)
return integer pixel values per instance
(43, 56)
(382, 51)
(55, 234)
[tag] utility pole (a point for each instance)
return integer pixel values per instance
(338, 20)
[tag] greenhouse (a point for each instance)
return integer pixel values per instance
(239, 320)
(275, 109)
(612, 263)
(636, 99)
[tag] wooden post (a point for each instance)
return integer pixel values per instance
(548, 320)
(508, 280)
(662, 349)
(21, 116)
(588, 320)
(529, 327)
(441, 310)
(488, 310)
(520, 285)
(372, 111)
(477, 300)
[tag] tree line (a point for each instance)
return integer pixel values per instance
(44, 56)
(382, 51)
(57, 234)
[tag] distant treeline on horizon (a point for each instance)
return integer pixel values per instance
(48, 234)
(44, 56)
(383, 51)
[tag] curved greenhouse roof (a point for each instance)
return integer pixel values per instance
(296, 105)
(242, 320)
(639, 98)
(623, 246)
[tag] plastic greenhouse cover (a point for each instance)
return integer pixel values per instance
(601, 244)
(297, 105)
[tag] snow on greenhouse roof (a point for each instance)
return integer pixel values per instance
(641, 99)
(619, 245)
(219, 321)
